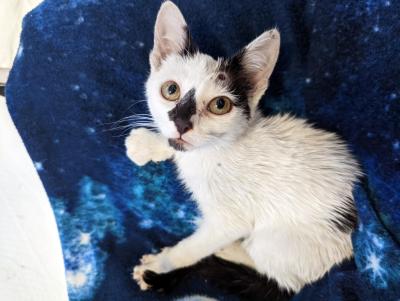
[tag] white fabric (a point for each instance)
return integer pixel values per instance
(11, 14)
(3, 75)
(31, 262)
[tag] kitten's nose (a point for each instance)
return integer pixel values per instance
(183, 126)
(183, 112)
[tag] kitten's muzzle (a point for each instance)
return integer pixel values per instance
(183, 112)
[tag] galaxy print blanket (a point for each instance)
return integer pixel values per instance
(80, 71)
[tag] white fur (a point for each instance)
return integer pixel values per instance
(268, 189)
(144, 146)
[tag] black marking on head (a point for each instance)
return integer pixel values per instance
(238, 81)
(346, 221)
(221, 76)
(231, 277)
(190, 48)
(183, 112)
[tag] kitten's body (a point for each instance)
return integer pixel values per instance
(275, 193)
(282, 185)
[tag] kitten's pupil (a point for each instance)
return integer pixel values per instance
(172, 89)
(220, 103)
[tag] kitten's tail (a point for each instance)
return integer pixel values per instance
(231, 277)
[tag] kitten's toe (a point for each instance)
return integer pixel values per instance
(138, 276)
(148, 258)
(136, 273)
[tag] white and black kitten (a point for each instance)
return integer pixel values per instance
(275, 193)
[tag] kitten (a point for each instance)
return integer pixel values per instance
(275, 193)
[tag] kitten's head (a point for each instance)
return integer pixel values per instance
(195, 100)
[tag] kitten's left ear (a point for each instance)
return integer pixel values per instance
(258, 60)
(171, 34)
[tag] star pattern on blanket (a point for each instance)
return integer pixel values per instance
(94, 217)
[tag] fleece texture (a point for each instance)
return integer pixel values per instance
(80, 68)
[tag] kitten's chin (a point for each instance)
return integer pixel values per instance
(179, 144)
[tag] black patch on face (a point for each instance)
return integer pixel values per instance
(346, 221)
(190, 48)
(238, 81)
(183, 111)
(221, 77)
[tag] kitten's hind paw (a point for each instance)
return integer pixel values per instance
(164, 282)
(161, 282)
(138, 276)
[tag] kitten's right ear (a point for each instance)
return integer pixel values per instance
(257, 61)
(171, 34)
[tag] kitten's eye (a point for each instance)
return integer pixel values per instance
(170, 90)
(220, 105)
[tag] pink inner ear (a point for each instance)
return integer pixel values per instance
(169, 33)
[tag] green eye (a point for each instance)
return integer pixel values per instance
(170, 90)
(220, 105)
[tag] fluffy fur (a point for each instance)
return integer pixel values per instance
(275, 193)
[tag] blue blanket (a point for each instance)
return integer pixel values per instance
(80, 68)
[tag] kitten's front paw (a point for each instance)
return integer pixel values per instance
(143, 146)
(138, 148)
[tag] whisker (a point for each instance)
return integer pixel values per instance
(135, 103)
(126, 131)
(135, 124)
(136, 116)
(131, 118)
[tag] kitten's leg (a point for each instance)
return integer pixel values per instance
(237, 254)
(143, 145)
(204, 242)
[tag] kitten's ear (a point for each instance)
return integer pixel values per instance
(171, 34)
(258, 60)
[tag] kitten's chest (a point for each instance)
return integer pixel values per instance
(217, 184)
(202, 174)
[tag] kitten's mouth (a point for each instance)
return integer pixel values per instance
(179, 144)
